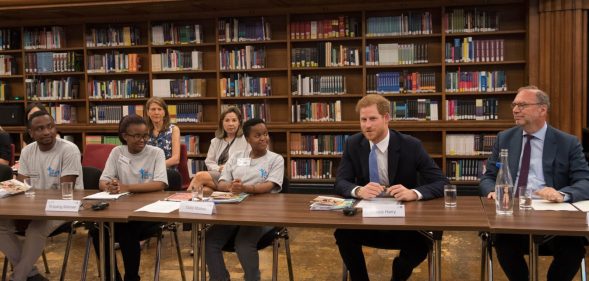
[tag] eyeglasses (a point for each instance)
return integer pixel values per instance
(522, 106)
(139, 136)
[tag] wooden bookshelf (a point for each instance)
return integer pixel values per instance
(280, 47)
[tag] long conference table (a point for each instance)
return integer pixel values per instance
(292, 210)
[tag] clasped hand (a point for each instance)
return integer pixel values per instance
(397, 191)
(236, 186)
(113, 186)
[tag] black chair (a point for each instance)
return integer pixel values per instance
(5, 172)
(91, 177)
(487, 255)
(272, 237)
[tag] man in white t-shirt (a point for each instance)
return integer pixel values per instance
(52, 160)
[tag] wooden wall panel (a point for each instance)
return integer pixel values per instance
(562, 65)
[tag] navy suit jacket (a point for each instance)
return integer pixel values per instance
(563, 162)
(408, 164)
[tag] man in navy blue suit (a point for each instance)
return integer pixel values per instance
(401, 161)
(556, 168)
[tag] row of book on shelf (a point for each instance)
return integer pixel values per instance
(52, 89)
(476, 81)
(316, 111)
(52, 62)
(470, 144)
(113, 36)
(326, 54)
(414, 110)
(173, 33)
(243, 29)
(50, 37)
(112, 114)
(460, 20)
(240, 58)
(411, 23)
(465, 169)
(305, 85)
(309, 144)
(477, 109)
(469, 50)
(118, 89)
(113, 62)
(311, 169)
(9, 39)
(179, 88)
(333, 27)
(8, 66)
(395, 54)
(244, 85)
(400, 82)
(177, 60)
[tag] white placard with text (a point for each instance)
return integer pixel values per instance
(62, 205)
(384, 211)
(195, 207)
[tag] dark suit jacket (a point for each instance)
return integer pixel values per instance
(407, 161)
(563, 162)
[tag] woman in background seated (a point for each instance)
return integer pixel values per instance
(5, 153)
(228, 140)
(254, 170)
(132, 167)
(161, 133)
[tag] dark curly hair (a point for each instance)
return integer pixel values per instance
(128, 121)
(247, 126)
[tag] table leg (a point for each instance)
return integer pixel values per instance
(484, 255)
(438, 258)
(196, 252)
(101, 250)
(111, 246)
(203, 264)
(533, 259)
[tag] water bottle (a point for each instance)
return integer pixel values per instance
(504, 191)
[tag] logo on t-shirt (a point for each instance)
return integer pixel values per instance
(264, 174)
(144, 174)
(53, 172)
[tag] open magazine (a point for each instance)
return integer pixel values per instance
(326, 203)
(12, 187)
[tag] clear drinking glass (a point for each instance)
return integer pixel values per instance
(525, 197)
(33, 183)
(67, 190)
(450, 194)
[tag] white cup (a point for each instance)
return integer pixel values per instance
(67, 190)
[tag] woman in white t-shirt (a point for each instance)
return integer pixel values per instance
(132, 167)
(253, 171)
(228, 140)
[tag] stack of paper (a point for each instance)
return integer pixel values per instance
(105, 196)
(326, 203)
(12, 187)
(228, 197)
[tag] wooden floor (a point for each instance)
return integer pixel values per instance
(314, 253)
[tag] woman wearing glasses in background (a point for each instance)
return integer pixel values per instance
(132, 167)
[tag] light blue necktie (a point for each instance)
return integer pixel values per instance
(373, 165)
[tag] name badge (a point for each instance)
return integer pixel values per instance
(241, 162)
(62, 205)
(205, 208)
(123, 159)
(384, 211)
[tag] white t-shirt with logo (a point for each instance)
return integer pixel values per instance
(269, 167)
(64, 159)
(146, 166)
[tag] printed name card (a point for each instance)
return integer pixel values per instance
(384, 211)
(63, 205)
(205, 208)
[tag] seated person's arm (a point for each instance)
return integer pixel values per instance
(175, 158)
(21, 177)
(224, 186)
(261, 187)
(143, 187)
(4, 162)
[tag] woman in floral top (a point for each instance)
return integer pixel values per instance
(161, 133)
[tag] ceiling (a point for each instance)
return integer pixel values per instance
(32, 10)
